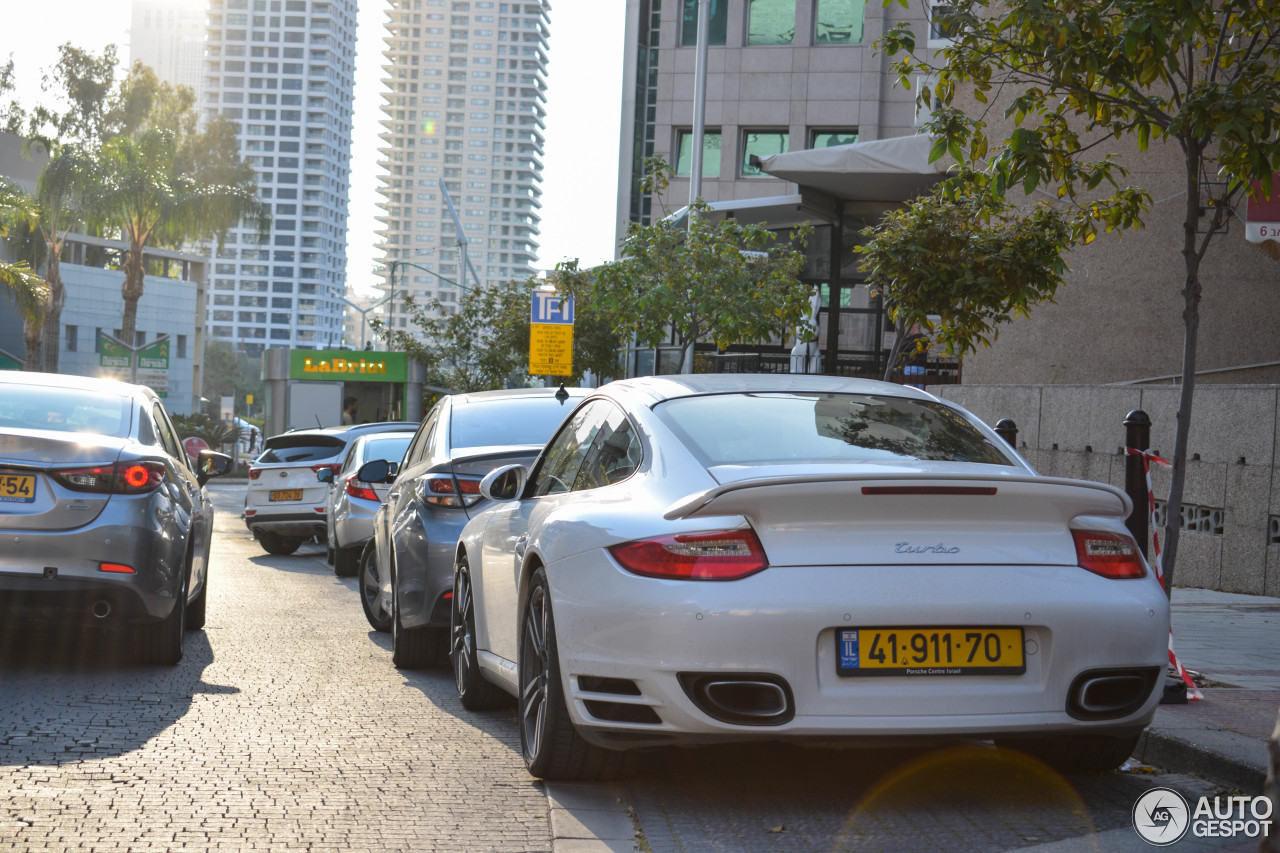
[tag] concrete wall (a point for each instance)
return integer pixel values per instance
(1078, 431)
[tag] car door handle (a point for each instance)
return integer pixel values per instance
(521, 545)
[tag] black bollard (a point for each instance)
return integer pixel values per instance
(1008, 430)
(1137, 436)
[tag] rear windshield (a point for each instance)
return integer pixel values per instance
(301, 448)
(736, 429)
(390, 448)
(518, 420)
(64, 410)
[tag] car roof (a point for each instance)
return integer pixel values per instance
(468, 397)
(67, 380)
(350, 431)
(651, 390)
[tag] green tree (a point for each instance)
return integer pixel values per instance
(1201, 80)
(227, 373)
(170, 183)
(717, 280)
(64, 197)
(18, 283)
(485, 342)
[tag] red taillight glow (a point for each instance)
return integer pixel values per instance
(357, 490)
(1109, 554)
(440, 491)
(255, 473)
(120, 479)
(116, 568)
(724, 556)
(334, 467)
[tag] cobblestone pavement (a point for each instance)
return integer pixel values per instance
(285, 727)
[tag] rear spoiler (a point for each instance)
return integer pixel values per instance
(693, 505)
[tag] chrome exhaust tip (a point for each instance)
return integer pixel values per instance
(101, 609)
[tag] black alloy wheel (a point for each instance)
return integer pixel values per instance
(371, 590)
(475, 693)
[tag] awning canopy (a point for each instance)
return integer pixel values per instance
(884, 170)
(776, 211)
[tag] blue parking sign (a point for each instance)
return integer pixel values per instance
(552, 307)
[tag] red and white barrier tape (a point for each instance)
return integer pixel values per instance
(1193, 692)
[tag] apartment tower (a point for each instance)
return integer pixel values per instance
(464, 109)
(284, 70)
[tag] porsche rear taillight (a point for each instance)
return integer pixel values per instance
(123, 478)
(1111, 555)
(357, 489)
(722, 556)
(440, 491)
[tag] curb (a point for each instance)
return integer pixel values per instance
(1177, 754)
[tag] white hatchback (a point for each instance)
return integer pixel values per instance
(730, 557)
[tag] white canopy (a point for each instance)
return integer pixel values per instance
(884, 170)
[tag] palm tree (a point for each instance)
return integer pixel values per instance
(158, 195)
(26, 290)
(63, 197)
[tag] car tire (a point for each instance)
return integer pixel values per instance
(346, 561)
(274, 543)
(328, 555)
(1097, 753)
(415, 648)
(196, 607)
(474, 692)
(370, 588)
(551, 746)
(162, 642)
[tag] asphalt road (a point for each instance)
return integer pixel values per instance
(286, 727)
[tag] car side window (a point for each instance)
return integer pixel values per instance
(614, 455)
(418, 446)
(563, 457)
(165, 431)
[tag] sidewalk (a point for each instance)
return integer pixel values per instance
(1232, 643)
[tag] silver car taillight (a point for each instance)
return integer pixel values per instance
(722, 556)
(122, 478)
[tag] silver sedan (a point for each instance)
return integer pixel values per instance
(696, 559)
(104, 517)
(352, 502)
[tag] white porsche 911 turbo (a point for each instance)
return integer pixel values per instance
(729, 557)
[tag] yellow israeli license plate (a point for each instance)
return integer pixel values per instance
(287, 495)
(17, 488)
(929, 651)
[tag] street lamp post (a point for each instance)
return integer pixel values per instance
(364, 312)
(393, 266)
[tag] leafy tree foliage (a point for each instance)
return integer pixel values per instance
(698, 283)
(26, 290)
(1199, 81)
(228, 373)
(169, 183)
(485, 342)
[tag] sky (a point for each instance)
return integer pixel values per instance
(584, 96)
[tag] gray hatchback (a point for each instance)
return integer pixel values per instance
(104, 517)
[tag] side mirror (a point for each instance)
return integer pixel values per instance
(393, 470)
(210, 464)
(505, 483)
(325, 475)
(375, 471)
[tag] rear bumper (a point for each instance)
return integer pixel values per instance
(353, 523)
(58, 576)
(288, 524)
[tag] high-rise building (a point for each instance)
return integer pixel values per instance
(285, 71)
(168, 35)
(464, 106)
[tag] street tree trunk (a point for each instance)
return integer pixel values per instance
(131, 291)
(56, 299)
(32, 332)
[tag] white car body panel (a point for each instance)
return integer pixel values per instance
(836, 560)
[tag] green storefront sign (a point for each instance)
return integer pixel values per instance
(348, 366)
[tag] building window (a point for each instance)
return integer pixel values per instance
(830, 138)
(73, 334)
(710, 153)
(719, 22)
(761, 143)
(838, 22)
(771, 21)
(182, 346)
(942, 27)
